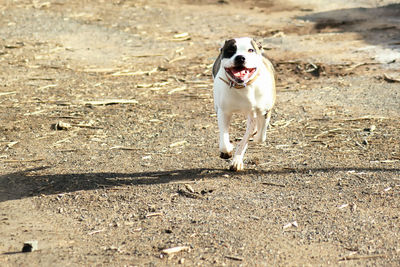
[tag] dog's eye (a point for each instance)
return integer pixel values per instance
(251, 50)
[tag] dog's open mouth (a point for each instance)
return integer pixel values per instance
(240, 74)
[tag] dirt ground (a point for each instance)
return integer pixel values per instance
(108, 137)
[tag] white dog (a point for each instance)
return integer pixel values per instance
(243, 82)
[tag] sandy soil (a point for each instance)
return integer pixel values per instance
(108, 137)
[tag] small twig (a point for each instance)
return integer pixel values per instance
(368, 117)
(65, 117)
(361, 64)
(360, 145)
(175, 249)
(181, 37)
(96, 231)
(153, 214)
(177, 59)
(189, 194)
(235, 258)
(328, 132)
(100, 70)
(189, 188)
(47, 86)
(86, 126)
(118, 188)
(358, 176)
(11, 144)
(179, 143)
(291, 224)
(384, 161)
(362, 257)
(273, 184)
(35, 112)
(187, 182)
(177, 90)
(390, 79)
(109, 102)
(8, 93)
(288, 62)
(125, 148)
(20, 160)
(148, 55)
(41, 78)
(140, 72)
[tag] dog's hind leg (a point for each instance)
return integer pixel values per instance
(262, 126)
(237, 161)
(225, 146)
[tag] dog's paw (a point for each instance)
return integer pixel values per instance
(237, 164)
(226, 151)
(260, 137)
(224, 155)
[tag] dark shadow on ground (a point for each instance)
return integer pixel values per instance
(26, 184)
(377, 26)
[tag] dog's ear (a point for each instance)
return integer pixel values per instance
(221, 47)
(225, 44)
(257, 46)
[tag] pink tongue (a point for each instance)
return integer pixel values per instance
(241, 74)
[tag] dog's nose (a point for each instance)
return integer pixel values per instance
(239, 60)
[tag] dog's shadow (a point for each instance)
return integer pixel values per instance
(26, 183)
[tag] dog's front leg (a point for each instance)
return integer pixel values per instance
(237, 161)
(225, 146)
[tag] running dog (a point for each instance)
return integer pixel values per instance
(243, 83)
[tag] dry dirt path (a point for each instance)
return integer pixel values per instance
(108, 138)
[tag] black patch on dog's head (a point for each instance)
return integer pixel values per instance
(229, 48)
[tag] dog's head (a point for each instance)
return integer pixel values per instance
(240, 58)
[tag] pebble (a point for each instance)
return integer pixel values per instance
(30, 246)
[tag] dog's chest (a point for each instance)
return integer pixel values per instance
(244, 100)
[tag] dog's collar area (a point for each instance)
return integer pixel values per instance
(236, 85)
